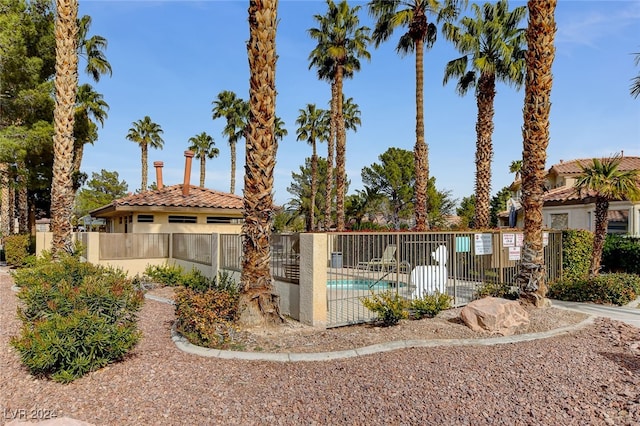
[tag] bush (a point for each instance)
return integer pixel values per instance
(170, 275)
(577, 250)
(621, 254)
(388, 305)
(494, 289)
(430, 305)
(617, 289)
(206, 318)
(76, 317)
(16, 249)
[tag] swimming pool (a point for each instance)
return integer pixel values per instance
(359, 284)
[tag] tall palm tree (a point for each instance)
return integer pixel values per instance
(606, 182)
(92, 50)
(341, 42)
(258, 300)
(236, 112)
(91, 108)
(515, 167)
(66, 85)
(535, 133)
(635, 81)
(421, 34)
(146, 134)
(492, 48)
(351, 113)
(312, 125)
(203, 147)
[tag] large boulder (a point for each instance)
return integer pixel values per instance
(495, 315)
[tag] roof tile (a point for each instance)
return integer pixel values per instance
(573, 167)
(171, 196)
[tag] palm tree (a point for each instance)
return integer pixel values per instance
(341, 42)
(203, 147)
(421, 34)
(635, 81)
(146, 133)
(92, 50)
(236, 112)
(90, 109)
(258, 300)
(603, 180)
(66, 85)
(312, 127)
(535, 133)
(515, 167)
(492, 48)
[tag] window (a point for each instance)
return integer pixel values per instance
(618, 221)
(183, 219)
(560, 221)
(145, 218)
(220, 219)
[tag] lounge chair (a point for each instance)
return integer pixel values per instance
(430, 279)
(384, 263)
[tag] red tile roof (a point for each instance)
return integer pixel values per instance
(171, 196)
(573, 167)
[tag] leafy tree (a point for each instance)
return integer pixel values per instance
(313, 127)
(101, 189)
(604, 180)
(236, 112)
(421, 34)
(258, 299)
(635, 81)
(440, 204)
(340, 44)
(499, 204)
(146, 134)
(492, 48)
(362, 204)
(66, 85)
(467, 211)
(393, 177)
(203, 147)
(535, 132)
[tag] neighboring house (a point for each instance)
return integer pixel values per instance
(565, 208)
(182, 208)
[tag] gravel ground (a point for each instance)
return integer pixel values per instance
(590, 376)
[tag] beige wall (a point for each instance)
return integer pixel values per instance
(582, 216)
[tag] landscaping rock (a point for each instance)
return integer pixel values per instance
(495, 315)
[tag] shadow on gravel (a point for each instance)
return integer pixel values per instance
(630, 362)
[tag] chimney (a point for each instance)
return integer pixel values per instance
(158, 165)
(188, 155)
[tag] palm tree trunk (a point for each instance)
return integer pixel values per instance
(66, 84)
(535, 132)
(232, 150)
(341, 148)
(311, 226)
(259, 304)
(328, 200)
(144, 148)
(421, 150)
(484, 148)
(600, 235)
(202, 170)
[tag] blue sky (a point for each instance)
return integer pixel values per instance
(170, 59)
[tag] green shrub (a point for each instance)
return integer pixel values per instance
(16, 249)
(207, 318)
(430, 305)
(495, 289)
(76, 317)
(170, 275)
(577, 250)
(197, 281)
(617, 289)
(388, 305)
(621, 254)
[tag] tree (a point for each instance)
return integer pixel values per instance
(312, 125)
(279, 131)
(90, 109)
(203, 147)
(515, 167)
(146, 134)
(603, 180)
(635, 81)
(492, 48)
(362, 204)
(101, 189)
(258, 300)
(421, 34)
(467, 211)
(92, 50)
(236, 112)
(535, 133)
(341, 42)
(393, 177)
(498, 204)
(66, 85)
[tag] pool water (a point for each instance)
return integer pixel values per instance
(359, 284)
